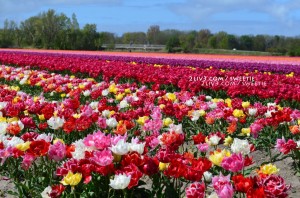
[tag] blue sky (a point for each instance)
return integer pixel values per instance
(281, 17)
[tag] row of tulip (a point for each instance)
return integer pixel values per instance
(235, 83)
(124, 134)
(268, 64)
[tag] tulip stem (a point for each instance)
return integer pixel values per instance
(125, 193)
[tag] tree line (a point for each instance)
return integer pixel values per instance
(52, 30)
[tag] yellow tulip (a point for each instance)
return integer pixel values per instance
(217, 156)
(111, 113)
(228, 102)
(202, 112)
(246, 131)
(112, 88)
(41, 117)
(55, 113)
(58, 140)
(117, 158)
(119, 96)
(171, 96)
(69, 85)
(26, 112)
(279, 107)
(127, 90)
(76, 115)
(72, 179)
(161, 106)
(142, 120)
(23, 146)
(245, 104)
(167, 121)
(163, 166)
(268, 169)
(81, 86)
(35, 98)
(228, 141)
(14, 119)
(238, 113)
(2, 119)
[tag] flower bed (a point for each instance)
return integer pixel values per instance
(234, 83)
(82, 137)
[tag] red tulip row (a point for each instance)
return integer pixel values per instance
(233, 82)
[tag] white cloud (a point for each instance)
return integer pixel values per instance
(202, 10)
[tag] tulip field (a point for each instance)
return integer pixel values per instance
(89, 124)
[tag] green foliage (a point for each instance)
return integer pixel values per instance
(173, 44)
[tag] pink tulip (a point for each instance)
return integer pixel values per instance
(255, 128)
(102, 158)
(27, 161)
(98, 140)
(195, 190)
(222, 186)
(57, 151)
(203, 147)
(234, 163)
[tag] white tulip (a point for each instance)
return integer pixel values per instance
(252, 111)
(94, 105)
(3, 127)
(208, 98)
(137, 147)
(105, 113)
(121, 148)
(207, 176)
(111, 122)
(176, 128)
(123, 104)
(46, 192)
(3, 105)
(195, 115)
(240, 146)
(55, 122)
(87, 93)
(120, 181)
(214, 140)
(189, 102)
(105, 92)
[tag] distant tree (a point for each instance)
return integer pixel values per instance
(19, 35)
(232, 42)
(134, 37)
(153, 34)
(212, 42)
(165, 35)
(89, 37)
(106, 38)
(187, 41)
(8, 34)
(31, 30)
(222, 40)
(278, 44)
(246, 42)
(74, 22)
(202, 38)
(53, 29)
(259, 43)
(172, 44)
